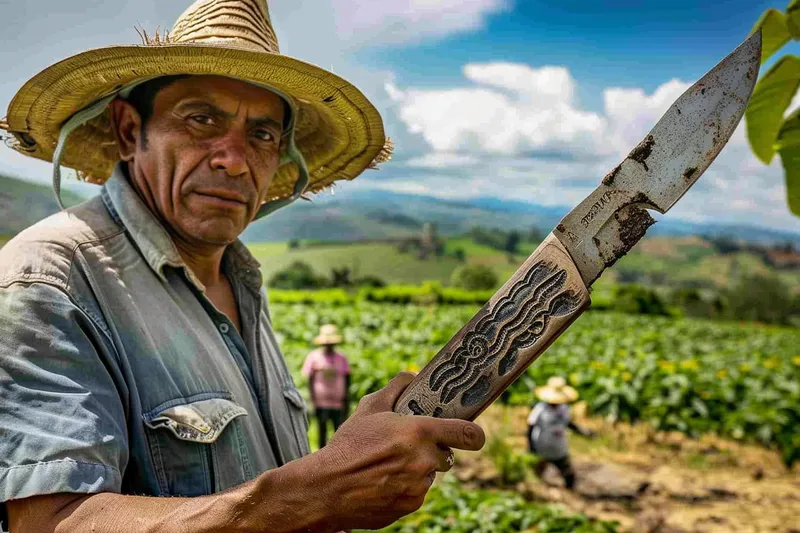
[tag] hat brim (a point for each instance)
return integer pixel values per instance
(323, 340)
(338, 131)
(564, 394)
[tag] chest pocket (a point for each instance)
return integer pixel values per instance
(197, 446)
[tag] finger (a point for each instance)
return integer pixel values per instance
(384, 399)
(453, 433)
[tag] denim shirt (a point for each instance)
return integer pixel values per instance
(117, 374)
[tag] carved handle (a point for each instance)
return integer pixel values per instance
(520, 321)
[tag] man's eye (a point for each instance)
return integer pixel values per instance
(202, 119)
(264, 135)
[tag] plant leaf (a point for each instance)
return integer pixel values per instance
(772, 95)
(793, 19)
(774, 32)
(788, 146)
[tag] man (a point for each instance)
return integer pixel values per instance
(137, 357)
(548, 422)
(328, 374)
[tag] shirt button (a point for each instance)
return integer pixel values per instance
(224, 328)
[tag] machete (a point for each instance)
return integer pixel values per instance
(551, 289)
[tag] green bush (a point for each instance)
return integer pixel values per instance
(474, 278)
(637, 300)
(761, 298)
(298, 275)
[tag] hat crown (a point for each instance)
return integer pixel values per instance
(243, 24)
(329, 329)
(556, 382)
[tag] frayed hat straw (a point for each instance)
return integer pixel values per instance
(335, 132)
(556, 391)
(328, 334)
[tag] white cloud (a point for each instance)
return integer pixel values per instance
(441, 160)
(521, 127)
(401, 21)
(509, 109)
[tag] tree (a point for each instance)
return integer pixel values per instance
(474, 278)
(512, 242)
(536, 234)
(762, 298)
(298, 275)
(768, 131)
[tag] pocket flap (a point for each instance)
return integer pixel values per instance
(294, 397)
(200, 421)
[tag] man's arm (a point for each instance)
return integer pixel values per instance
(341, 487)
(586, 432)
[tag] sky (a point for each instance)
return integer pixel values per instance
(518, 99)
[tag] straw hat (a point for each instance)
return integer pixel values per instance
(328, 334)
(335, 131)
(556, 391)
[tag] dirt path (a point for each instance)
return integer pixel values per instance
(650, 483)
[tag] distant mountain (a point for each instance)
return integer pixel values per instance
(374, 215)
(363, 215)
(23, 203)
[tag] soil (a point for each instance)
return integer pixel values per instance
(652, 482)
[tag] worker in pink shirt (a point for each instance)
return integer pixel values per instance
(328, 380)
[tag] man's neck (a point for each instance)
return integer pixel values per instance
(206, 264)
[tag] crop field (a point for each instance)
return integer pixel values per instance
(741, 381)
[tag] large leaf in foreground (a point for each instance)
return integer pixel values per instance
(771, 98)
(793, 18)
(774, 32)
(788, 146)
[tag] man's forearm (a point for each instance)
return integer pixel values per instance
(274, 502)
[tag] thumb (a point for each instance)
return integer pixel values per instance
(384, 399)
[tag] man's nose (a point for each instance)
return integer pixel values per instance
(230, 154)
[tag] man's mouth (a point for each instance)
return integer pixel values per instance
(222, 197)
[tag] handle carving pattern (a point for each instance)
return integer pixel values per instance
(465, 375)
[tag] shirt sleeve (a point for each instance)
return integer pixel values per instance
(61, 414)
(533, 417)
(308, 365)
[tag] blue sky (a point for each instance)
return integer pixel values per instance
(521, 99)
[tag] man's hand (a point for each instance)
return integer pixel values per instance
(379, 466)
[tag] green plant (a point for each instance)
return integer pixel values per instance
(512, 466)
(767, 129)
(448, 508)
(474, 278)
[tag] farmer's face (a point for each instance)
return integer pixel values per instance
(212, 148)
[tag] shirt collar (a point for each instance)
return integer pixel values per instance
(154, 242)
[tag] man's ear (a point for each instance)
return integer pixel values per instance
(126, 125)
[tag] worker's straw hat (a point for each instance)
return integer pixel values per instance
(556, 391)
(328, 334)
(335, 132)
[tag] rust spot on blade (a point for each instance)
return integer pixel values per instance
(633, 223)
(609, 179)
(689, 172)
(643, 151)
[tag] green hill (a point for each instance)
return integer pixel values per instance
(23, 203)
(656, 261)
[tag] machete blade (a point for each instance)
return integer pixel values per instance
(660, 169)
